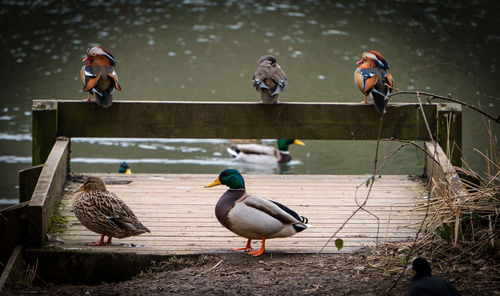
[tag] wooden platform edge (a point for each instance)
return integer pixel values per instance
(80, 267)
(48, 192)
(442, 172)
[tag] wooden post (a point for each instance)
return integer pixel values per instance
(47, 193)
(27, 182)
(449, 131)
(44, 129)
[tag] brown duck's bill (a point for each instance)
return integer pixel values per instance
(214, 183)
(298, 142)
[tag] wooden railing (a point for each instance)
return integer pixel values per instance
(55, 122)
(162, 119)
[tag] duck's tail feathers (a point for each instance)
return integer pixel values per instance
(129, 224)
(103, 98)
(233, 151)
(300, 226)
(380, 101)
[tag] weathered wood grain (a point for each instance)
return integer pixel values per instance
(163, 119)
(180, 212)
(48, 192)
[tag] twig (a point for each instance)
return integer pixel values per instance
(388, 223)
(408, 256)
(431, 95)
(466, 71)
(213, 267)
(360, 207)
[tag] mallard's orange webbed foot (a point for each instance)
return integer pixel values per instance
(262, 248)
(248, 247)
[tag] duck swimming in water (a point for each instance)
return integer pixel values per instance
(257, 153)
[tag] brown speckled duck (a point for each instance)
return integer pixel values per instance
(252, 216)
(269, 79)
(98, 77)
(103, 212)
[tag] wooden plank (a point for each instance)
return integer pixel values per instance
(13, 229)
(27, 182)
(48, 192)
(182, 220)
(443, 172)
(44, 132)
(163, 119)
(449, 131)
(12, 267)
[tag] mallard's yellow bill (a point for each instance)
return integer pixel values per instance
(299, 142)
(214, 183)
(128, 171)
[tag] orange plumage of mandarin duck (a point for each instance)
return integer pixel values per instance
(98, 76)
(373, 79)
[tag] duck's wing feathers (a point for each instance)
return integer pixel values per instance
(114, 77)
(369, 79)
(257, 149)
(122, 215)
(270, 78)
(273, 209)
(89, 79)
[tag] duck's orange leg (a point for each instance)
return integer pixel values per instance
(262, 248)
(89, 98)
(247, 248)
(109, 241)
(100, 242)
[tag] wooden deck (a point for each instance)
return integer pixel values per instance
(180, 212)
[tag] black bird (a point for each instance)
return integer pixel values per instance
(424, 284)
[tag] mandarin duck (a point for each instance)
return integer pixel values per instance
(269, 79)
(423, 283)
(98, 77)
(105, 213)
(373, 79)
(251, 216)
(257, 153)
(124, 168)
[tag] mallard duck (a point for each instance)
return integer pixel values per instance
(98, 77)
(103, 212)
(252, 216)
(124, 168)
(256, 153)
(373, 79)
(269, 79)
(423, 283)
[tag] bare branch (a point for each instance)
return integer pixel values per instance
(432, 96)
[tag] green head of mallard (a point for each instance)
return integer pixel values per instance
(124, 168)
(284, 143)
(92, 184)
(231, 178)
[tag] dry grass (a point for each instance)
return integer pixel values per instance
(464, 221)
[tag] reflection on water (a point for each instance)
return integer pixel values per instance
(207, 50)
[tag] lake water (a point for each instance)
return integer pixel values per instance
(208, 50)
